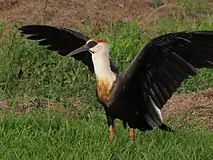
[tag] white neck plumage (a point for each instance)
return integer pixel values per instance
(102, 67)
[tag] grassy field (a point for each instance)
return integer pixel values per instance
(41, 135)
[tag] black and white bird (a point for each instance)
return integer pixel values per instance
(137, 95)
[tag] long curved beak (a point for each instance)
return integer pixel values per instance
(79, 50)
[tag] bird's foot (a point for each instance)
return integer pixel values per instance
(111, 132)
(132, 135)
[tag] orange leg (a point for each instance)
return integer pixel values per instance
(132, 135)
(111, 132)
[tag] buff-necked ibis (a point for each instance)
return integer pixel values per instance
(137, 95)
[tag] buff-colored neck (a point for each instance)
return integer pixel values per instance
(102, 67)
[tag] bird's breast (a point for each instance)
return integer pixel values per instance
(104, 87)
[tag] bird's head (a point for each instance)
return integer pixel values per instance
(95, 47)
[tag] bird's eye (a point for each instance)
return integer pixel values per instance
(92, 44)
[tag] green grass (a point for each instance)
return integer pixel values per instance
(43, 137)
(48, 75)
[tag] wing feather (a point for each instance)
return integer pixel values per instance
(164, 63)
(61, 40)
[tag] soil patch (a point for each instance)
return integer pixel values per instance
(75, 14)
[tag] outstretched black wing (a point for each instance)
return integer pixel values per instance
(162, 65)
(61, 40)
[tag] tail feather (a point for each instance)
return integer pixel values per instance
(166, 128)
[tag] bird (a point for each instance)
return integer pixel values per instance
(136, 95)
